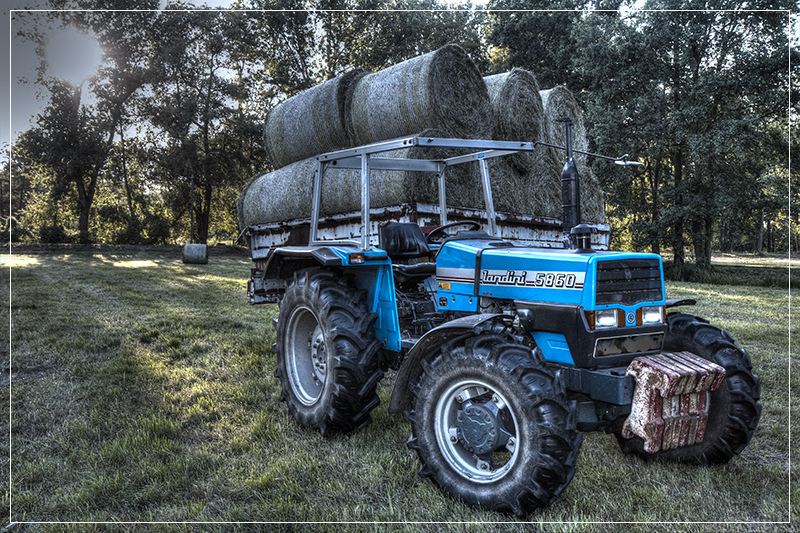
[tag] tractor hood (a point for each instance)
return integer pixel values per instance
(467, 270)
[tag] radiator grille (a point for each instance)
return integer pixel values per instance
(628, 281)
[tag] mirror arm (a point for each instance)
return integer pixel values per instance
(622, 160)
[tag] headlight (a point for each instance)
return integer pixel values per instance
(606, 318)
(653, 314)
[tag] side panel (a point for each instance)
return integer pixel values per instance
(379, 284)
(554, 346)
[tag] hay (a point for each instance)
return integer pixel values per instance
(195, 254)
(440, 94)
(559, 102)
(310, 123)
(285, 194)
(440, 90)
(526, 193)
(517, 112)
(593, 203)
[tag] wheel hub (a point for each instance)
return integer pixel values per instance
(478, 428)
(318, 355)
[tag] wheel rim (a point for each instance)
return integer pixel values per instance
(476, 430)
(305, 355)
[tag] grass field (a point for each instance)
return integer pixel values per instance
(141, 389)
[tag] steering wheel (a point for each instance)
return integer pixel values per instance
(438, 235)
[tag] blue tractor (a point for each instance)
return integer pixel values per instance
(504, 353)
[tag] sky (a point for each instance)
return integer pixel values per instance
(22, 104)
(20, 60)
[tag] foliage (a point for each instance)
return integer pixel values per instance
(697, 94)
(666, 84)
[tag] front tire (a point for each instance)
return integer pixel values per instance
(492, 426)
(327, 353)
(733, 409)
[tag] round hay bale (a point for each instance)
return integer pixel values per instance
(440, 90)
(286, 193)
(557, 103)
(195, 254)
(533, 193)
(310, 123)
(517, 112)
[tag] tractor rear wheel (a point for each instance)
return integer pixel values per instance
(327, 352)
(733, 409)
(492, 425)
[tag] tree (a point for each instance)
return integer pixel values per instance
(538, 36)
(192, 104)
(73, 138)
(666, 84)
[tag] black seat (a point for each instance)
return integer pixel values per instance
(403, 240)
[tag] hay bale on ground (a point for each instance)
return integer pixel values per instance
(196, 254)
(311, 122)
(440, 90)
(517, 111)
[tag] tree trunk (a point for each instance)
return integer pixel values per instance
(205, 215)
(677, 228)
(655, 213)
(760, 241)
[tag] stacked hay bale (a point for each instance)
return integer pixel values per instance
(311, 123)
(440, 94)
(559, 102)
(440, 90)
(286, 193)
(521, 183)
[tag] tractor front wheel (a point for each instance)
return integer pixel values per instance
(492, 426)
(733, 409)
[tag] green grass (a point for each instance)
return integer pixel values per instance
(142, 390)
(770, 270)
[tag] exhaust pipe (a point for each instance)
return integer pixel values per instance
(570, 190)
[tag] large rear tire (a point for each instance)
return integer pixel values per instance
(733, 409)
(327, 352)
(492, 425)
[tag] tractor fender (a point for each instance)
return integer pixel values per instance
(268, 279)
(283, 262)
(432, 340)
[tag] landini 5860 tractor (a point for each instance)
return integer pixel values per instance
(504, 353)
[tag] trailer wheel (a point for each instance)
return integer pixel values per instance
(327, 352)
(733, 409)
(492, 426)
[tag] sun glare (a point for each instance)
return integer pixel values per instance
(72, 56)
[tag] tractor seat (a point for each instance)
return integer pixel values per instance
(403, 241)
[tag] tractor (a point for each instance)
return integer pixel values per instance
(504, 352)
